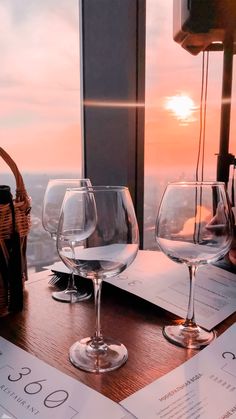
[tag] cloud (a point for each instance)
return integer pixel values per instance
(41, 50)
(40, 81)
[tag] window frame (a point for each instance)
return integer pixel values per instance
(113, 86)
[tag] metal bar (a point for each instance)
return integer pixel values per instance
(224, 158)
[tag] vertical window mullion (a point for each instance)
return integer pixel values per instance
(113, 84)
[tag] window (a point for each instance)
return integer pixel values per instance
(40, 118)
(41, 106)
(173, 88)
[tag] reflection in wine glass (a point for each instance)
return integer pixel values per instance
(53, 199)
(104, 231)
(194, 227)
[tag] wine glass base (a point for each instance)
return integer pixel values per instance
(106, 357)
(71, 297)
(188, 337)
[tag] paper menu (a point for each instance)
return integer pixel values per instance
(204, 387)
(29, 388)
(157, 279)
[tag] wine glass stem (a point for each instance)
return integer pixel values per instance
(190, 319)
(71, 283)
(97, 284)
(71, 287)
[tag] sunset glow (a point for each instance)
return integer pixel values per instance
(41, 97)
(181, 106)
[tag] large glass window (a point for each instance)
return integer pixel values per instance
(172, 126)
(40, 119)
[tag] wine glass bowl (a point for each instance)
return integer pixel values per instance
(52, 202)
(106, 241)
(53, 198)
(194, 227)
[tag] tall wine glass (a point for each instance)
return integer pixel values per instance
(53, 199)
(109, 249)
(194, 227)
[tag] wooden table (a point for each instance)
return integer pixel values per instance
(47, 328)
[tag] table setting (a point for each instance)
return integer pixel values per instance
(97, 240)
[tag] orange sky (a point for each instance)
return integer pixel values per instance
(46, 149)
(40, 89)
(171, 71)
(40, 84)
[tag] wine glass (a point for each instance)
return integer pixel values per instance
(194, 227)
(53, 199)
(105, 242)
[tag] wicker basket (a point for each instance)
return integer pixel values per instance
(14, 228)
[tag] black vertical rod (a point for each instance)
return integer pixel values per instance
(224, 158)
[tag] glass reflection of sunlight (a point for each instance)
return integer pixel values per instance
(202, 215)
(182, 106)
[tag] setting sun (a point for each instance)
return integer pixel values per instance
(182, 106)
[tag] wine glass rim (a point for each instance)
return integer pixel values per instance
(197, 183)
(98, 188)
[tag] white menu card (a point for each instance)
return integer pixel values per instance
(204, 387)
(29, 388)
(157, 279)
